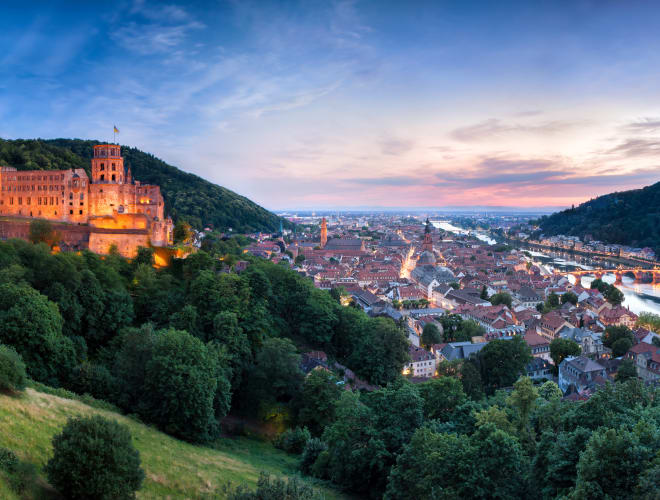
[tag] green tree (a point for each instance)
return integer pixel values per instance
(300, 258)
(613, 460)
(561, 348)
(614, 333)
(503, 361)
(272, 489)
(94, 458)
(441, 397)
(621, 346)
(179, 387)
(41, 231)
(523, 399)
(550, 391)
(552, 302)
(431, 335)
(276, 375)
(12, 370)
(316, 401)
(649, 320)
(626, 371)
(471, 381)
(380, 352)
(569, 297)
(32, 325)
(182, 232)
(501, 298)
(484, 293)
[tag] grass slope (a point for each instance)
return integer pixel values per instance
(186, 195)
(174, 469)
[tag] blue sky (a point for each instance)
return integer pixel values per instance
(351, 103)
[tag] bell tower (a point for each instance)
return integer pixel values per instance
(107, 164)
(324, 232)
(427, 244)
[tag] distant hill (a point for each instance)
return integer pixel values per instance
(186, 195)
(627, 218)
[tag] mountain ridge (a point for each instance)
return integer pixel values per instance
(623, 217)
(187, 196)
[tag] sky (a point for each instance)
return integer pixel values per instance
(351, 104)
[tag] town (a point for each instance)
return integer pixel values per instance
(407, 269)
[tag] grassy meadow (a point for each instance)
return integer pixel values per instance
(174, 469)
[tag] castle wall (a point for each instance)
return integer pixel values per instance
(127, 241)
(72, 236)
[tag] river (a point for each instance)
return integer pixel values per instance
(639, 297)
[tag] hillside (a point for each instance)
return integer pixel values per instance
(186, 195)
(173, 469)
(627, 218)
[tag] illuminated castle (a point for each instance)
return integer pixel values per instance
(118, 210)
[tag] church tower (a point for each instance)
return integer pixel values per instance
(107, 164)
(324, 232)
(427, 245)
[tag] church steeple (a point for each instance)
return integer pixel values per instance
(427, 245)
(324, 232)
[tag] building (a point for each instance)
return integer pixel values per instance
(647, 360)
(539, 369)
(422, 363)
(590, 342)
(580, 373)
(539, 346)
(324, 232)
(120, 212)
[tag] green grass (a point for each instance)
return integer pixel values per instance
(173, 468)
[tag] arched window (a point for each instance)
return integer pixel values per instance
(102, 177)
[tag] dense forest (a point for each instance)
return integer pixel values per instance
(186, 195)
(627, 218)
(184, 346)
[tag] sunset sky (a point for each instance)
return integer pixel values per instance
(312, 105)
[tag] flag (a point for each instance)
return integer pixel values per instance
(116, 130)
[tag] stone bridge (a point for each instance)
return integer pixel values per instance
(640, 275)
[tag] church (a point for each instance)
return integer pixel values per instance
(118, 211)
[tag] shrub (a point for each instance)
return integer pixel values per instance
(12, 370)
(94, 458)
(275, 489)
(23, 477)
(313, 449)
(8, 460)
(293, 440)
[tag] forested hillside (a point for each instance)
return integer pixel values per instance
(186, 195)
(627, 218)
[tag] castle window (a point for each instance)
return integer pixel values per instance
(11, 200)
(71, 196)
(102, 177)
(70, 212)
(113, 167)
(81, 203)
(114, 177)
(20, 200)
(82, 196)
(39, 200)
(102, 166)
(28, 200)
(80, 212)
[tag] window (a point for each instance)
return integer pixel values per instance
(82, 196)
(102, 166)
(71, 196)
(114, 177)
(80, 212)
(113, 167)
(71, 212)
(102, 177)
(28, 200)
(20, 200)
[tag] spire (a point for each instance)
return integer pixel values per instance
(427, 229)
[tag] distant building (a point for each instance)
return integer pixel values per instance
(580, 373)
(422, 363)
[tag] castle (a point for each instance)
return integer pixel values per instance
(118, 210)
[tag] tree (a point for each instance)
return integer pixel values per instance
(276, 375)
(469, 328)
(41, 231)
(32, 325)
(649, 320)
(626, 371)
(316, 401)
(550, 391)
(12, 370)
(502, 362)
(94, 458)
(380, 352)
(276, 488)
(613, 460)
(501, 298)
(431, 335)
(552, 302)
(441, 397)
(621, 346)
(471, 381)
(523, 398)
(179, 387)
(569, 297)
(614, 333)
(300, 258)
(484, 293)
(561, 348)
(182, 232)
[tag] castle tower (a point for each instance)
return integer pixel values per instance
(107, 164)
(427, 245)
(324, 232)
